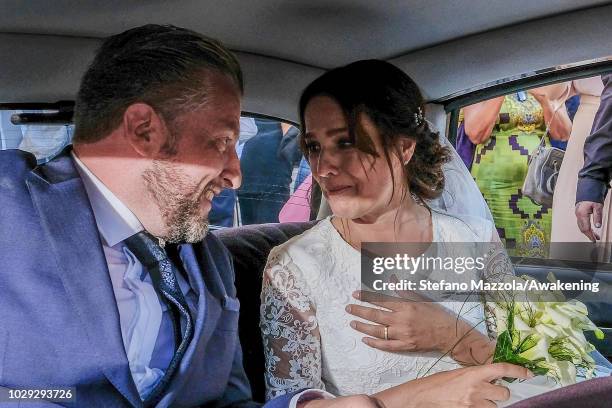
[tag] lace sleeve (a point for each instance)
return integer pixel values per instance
(291, 339)
(498, 268)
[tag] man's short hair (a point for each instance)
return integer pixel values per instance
(161, 65)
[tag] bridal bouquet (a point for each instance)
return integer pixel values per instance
(545, 333)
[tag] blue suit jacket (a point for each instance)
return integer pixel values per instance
(59, 323)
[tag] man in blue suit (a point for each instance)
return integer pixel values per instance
(109, 283)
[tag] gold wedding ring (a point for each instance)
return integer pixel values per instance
(386, 332)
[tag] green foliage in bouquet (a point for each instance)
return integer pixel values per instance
(545, 335)
(510, 346)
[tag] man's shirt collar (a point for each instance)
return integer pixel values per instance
(115, 221)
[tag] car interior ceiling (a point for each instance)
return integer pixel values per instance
(46, 65)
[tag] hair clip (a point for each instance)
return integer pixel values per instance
(418, 116)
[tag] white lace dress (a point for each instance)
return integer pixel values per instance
(308, 281)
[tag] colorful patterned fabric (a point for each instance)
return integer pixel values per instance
(500, 167)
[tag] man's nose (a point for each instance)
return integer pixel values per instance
(232, 176)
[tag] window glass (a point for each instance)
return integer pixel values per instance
(44, 141)
(496, 138)
(275, 176)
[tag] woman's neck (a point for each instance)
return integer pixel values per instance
(407, 222)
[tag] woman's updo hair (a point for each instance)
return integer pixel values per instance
(395, 105)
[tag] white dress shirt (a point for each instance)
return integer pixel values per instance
(140, 310)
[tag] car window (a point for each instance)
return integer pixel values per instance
(496, 138)
(45, 141)
(275, 177)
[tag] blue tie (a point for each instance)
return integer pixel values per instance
(163, 274)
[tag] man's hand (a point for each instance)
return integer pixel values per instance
(354, 401)
(584, 209)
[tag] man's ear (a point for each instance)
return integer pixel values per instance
(407, 147)
(145, 129)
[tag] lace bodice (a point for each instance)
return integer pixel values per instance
(308, 281)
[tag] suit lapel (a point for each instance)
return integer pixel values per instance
(68, 221)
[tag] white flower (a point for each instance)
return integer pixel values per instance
(562, 371)
(540, 350)
(549, 332)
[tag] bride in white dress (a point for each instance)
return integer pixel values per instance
(378, 163)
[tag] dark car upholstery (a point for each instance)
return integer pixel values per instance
(592, 393)
(250, 246)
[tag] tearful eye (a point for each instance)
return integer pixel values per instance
(312, 148)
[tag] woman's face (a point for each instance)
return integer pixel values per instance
(355, 184)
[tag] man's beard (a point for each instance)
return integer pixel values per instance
(178, 200)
